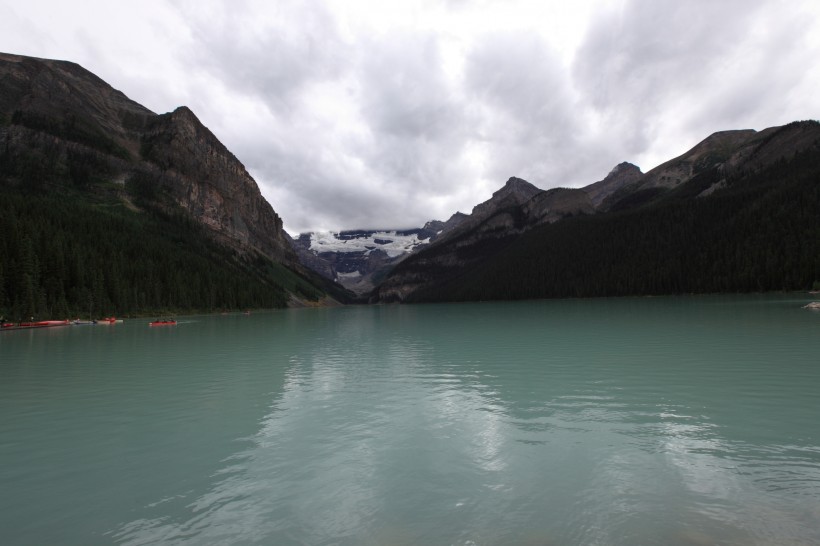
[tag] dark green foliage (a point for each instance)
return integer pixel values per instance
(45, 164)
(638, 198)
(85, 169)
(62, 257)
(760, 233)
(143, 187)
(73, 128)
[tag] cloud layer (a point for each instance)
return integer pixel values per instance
(365, 114)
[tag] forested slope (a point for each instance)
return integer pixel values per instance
(64, 256)
(760, 232)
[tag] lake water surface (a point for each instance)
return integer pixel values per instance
(691, 421)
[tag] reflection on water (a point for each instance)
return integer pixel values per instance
(656, 421)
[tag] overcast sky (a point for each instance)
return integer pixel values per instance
(374, 114)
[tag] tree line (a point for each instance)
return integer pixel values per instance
(63, 257)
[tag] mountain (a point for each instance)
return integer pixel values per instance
(735, 213)
(516, 207)
(72, 145)
(358, 259)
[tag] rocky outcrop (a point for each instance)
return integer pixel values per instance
(552, 205)
(440, 229)
(622, 175)
(514, 192)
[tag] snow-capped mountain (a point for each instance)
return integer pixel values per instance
(357, 259)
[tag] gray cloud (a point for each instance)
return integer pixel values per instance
(404, 90)
(417, 121)
(642, 72)
(363, 114)
(271, 55)
(702, 66)
(528, 119)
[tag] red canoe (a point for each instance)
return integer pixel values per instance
(37, 324)
(163, 323)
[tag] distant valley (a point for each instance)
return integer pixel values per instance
(359, 259)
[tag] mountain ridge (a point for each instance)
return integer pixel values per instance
(720, 161)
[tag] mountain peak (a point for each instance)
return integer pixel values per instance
(519, 184)
(517, 187)
(515, 181)
(622, 168)
(623, 174)
(515, 191)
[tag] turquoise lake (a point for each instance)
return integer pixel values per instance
(668, 421)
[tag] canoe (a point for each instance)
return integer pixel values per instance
(163, 323)
(35, 324)
(109, 320)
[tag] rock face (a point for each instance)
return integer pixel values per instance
(552, 205)
(207, 180)
(622, 175)
(59, 114)
(713, 150)
(514, 192)
(439, 228)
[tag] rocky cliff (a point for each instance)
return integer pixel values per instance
(212, 184)
(70, 127)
